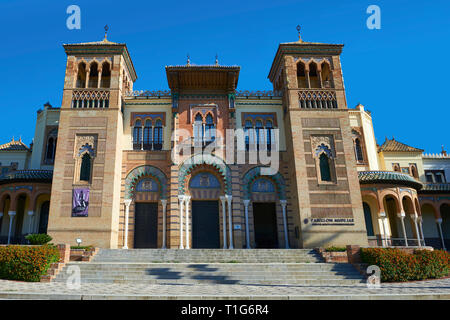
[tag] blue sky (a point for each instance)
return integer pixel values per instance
(398, 72)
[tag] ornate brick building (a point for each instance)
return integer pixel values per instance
(204, 165)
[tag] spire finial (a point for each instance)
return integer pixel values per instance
(188, 60)
(443, 151)
(106, 32)
(217, 60)
(299, 36)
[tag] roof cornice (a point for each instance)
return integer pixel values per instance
(102, 48)
(302, 48)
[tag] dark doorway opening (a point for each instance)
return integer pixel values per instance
(265, 225)
(43, 218)
(146, 225)
(205, 224)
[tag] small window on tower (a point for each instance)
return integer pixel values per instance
(85, 170)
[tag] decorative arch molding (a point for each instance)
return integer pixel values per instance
(188, 165)
(144, 171)
(255, 173)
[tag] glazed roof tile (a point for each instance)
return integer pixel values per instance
(27, 176)
(436, 188)
(395, 146)
(14, 145)
(388, 177)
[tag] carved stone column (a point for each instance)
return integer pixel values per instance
(127, 215)
(30, 225)
(286, 239)
(439, 223)
(401, 216)
(382, 217)
(230, 220)
(224, 221)
(181, 198)
(11, 215)
(414, 218)
(247, 230)
(164, 206)
(188, 201)
(421, 229)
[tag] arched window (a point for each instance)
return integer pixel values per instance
(326, 75)
(259, 133)
(301, 75)
(137, 135)
(414, 171)
(210, 132)
(325, 172)
(148, 135)
(51, 147)
(248, 134)
(93, 75)
(106, 75)
(358, 151)
(198, 129)
(85, 170)
(269, 128)
(158, 135)
(313, 75)
(81, 76)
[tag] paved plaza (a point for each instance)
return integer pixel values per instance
(433, 289)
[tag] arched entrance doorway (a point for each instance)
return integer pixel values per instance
(265, 210)
(146, 214)
(205, 189)
(43, 217)
(204, 193)
(368, 219)
(265, 222)
(145, 208)
(392, 210)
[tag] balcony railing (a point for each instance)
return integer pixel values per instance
(153, 146)
(238, 93)
(317, 99)
(90, 99)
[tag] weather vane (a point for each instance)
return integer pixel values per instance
(106, 31)
(298, 30)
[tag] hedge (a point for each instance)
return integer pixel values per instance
(398, 266)
(38, 239)
(26, 263)
(336, 249)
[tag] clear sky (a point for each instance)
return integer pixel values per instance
(400, 72)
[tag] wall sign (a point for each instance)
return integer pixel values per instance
(331, 221)
(80, 202)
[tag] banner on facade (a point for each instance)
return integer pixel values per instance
(80, 202)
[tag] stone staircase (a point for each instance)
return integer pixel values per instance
(206, 266)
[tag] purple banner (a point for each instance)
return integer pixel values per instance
(80, 202)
